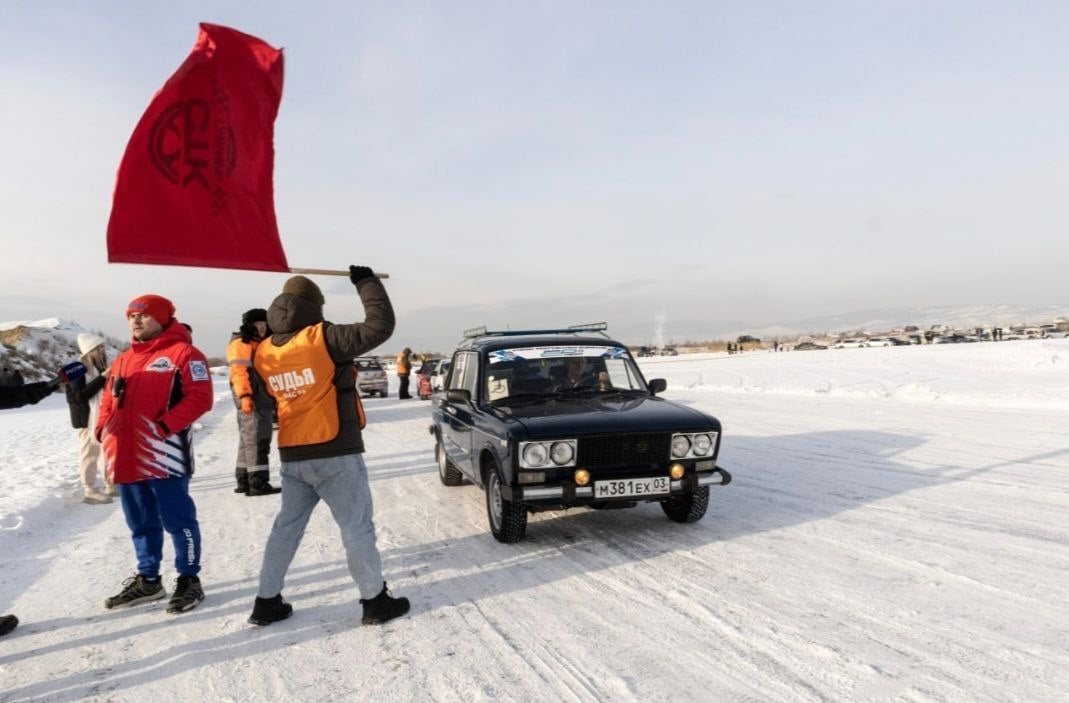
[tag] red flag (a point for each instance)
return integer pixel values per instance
(195, 184)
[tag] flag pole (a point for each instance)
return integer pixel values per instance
(331, 272)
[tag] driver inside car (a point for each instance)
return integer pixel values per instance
(575, 374)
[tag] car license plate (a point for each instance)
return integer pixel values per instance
(631, 487)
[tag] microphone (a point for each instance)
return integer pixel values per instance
(68, 374)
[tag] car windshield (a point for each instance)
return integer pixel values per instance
(533, 372)
(367, 365)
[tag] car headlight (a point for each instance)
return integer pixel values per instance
(562, 453)
(690, 445)
(680, 446)
(534, 455)
(549, 454)
(703, 444)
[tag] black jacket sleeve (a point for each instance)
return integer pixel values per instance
(85, 392)
(26, 394)
(346, 341)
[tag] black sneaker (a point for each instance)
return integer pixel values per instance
(187, 593)
(383, 607)
(268, 610)
(136, 590)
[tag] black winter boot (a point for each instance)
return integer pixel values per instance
(7, 624)
(259, 485)
(268, 610)
(242, 475)
(383, 607)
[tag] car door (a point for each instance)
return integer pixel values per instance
(457, 424)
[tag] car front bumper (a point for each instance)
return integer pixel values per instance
(567, 493)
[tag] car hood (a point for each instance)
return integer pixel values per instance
(607, 415)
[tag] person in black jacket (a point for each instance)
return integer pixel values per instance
(83, 397)
(319, 437)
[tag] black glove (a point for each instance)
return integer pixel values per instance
(359, 273)
(35, 392)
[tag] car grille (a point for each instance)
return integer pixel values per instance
(616, 450)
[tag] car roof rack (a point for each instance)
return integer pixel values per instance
(598, 327)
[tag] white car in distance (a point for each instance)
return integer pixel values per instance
(370, 376)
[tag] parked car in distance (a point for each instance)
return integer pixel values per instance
(431, 377)
(552, 419)
(423, 378)
(645, 351)
(370, 376)
(851, 343)
(807, 346)
(669, 351)
(441, 372)
(879, 342)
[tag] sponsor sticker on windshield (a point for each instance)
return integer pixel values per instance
(497, 388)
(559, 352)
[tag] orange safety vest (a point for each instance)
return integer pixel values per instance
(300, 375)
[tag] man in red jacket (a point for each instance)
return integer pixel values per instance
(157, 389)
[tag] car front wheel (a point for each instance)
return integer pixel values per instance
(688, 507)
(508, 520)
(449, 474)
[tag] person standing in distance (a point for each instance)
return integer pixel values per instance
(254, 405)
(307, 365)
(157, 389)
(404, 369)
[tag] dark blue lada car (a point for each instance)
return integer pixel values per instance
(551, 419)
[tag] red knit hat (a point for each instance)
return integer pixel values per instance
(161, 309)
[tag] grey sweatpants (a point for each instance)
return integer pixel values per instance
(341, 482)
(253, 429)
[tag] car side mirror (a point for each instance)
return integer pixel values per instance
(657, 385)
(458, 395)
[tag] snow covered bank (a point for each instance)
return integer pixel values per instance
(1024, 374)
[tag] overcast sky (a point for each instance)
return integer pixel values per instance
(705, 164)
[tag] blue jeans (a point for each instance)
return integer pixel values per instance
(341, 482)
(156, 505)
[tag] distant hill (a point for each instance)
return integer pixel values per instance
(37, 348)
(877, 320)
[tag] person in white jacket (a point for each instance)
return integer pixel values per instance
(83, 397)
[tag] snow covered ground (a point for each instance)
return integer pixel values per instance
(897, 530)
